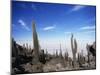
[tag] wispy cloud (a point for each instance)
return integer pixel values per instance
(23, 24)
(87, 28)
(76, 8)
(49, 28)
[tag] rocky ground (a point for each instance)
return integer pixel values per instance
(53, 65)
(22, 62)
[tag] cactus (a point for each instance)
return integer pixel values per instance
(88, 54)
(78, 58)
(74, 49)
(56, 53)
(42, 57)
(66, 56)
(36, 45)
(60, 54)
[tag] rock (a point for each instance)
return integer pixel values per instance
(54, 65)
(32, 67)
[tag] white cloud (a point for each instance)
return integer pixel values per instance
(87, 28)
(76, 8)
(49, 28)
(23, 24)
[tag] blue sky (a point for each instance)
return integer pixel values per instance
(54, 24)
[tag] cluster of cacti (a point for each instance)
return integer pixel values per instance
(74, 49)
(27, 47)
(35, 56)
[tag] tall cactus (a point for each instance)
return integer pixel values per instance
(35, 44)
(74, 49)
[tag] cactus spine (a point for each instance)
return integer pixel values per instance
(74, 49)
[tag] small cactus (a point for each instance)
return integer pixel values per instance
(42, 57)
(60, 54)
(56, 53)
(78, 58)
(88, 54)
(66, 56)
